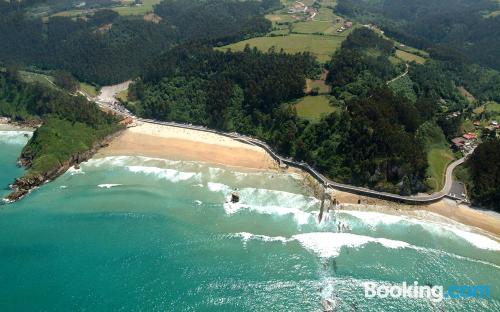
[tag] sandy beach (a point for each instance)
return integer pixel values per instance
(478, 219)
(174, 143)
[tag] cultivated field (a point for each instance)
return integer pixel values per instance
(295, 33)
(409, 57)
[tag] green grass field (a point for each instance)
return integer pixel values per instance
(89, 89)
(409, 57)
(313, 108)
(124, 9)
(279, 17)
(315, 27)
(493, 107)
(31, 77)
(320, 46)
(438, 157)
(146, 7)
(467, 126)
(122, 95)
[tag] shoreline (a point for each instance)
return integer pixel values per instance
(478, 220)
(187, 145)
(174, 143)
(7, 125)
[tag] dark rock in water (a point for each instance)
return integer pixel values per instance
(235, 197)
(77, 166)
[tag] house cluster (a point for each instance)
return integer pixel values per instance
(466, 143)
(493, 126)
(300, 8)
(347, 25)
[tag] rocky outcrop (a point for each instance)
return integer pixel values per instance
(28, 123)
(24, 185)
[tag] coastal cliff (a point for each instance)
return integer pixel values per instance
(25, 184)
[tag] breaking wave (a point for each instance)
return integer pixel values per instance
(108, 186)
(443, 229)
(15, 137)
(326, 244)
(167, 174)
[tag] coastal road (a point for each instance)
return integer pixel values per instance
(109, 103)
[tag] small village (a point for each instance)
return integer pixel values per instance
(310, 12)
(469, 141)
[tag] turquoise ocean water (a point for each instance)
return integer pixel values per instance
(142, 234)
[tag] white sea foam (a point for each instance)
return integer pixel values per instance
(215, 172)
(478, 240)
(266, 197)
(198, 202)
(72, 171)
(300, 216)
(116, 161)
(218, 187)
(15, 137)
(326, 244)
(269, 202)
(167, 174)
(108, 186)
(374, 218)
(230, 208)
(245, 237)
(434, 224)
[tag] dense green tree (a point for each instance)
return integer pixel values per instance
(66, 81)
(484, 168)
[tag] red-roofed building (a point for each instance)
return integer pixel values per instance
(470, 136)
(458, 142)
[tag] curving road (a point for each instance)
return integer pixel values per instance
(400, 76)
(112, 105)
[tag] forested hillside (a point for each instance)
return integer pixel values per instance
(484, 171)
(371, 141)
(106, 48)
(234, 91)
(70, 124)
(463, 25)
